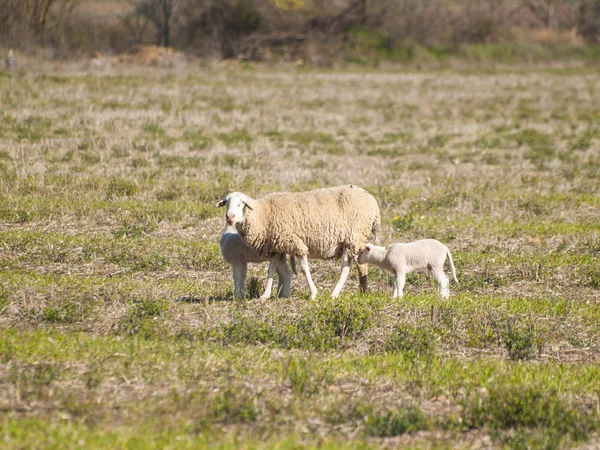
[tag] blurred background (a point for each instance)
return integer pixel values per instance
(366, 32)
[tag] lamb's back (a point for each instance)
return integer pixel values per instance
(418, 252)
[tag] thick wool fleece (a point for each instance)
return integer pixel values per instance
(323, 223)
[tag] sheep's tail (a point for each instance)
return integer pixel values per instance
(376, 229)
(293, 264)
(452, 265)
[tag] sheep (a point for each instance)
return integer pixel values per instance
(329, 223)
(401, 259)
(236, 253)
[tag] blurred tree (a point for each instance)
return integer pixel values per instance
(589, 20)
(37, 11)
(544, 10)
(160, 13)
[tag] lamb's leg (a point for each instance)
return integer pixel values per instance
(399, 280)
(243, 278)
(442, 279)
(343, 277)
(284, 279)
(271, 273)
(363, 271)
(239, 278)
(304, 267)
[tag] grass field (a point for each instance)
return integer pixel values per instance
(118, 327)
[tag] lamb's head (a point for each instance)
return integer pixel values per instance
(236, 207)
(364, 254)
(371, 254)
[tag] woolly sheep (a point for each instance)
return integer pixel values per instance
(236, 253)
(401, 259)
(327, 223)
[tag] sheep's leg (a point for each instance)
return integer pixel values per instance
(442, 280)
(284, 279)
(343, 277)
(270, 275)
(306, 270)
(399, 281)
(239, 278)
(363, 271)
(243, 278)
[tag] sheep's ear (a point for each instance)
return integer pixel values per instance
(250, 202)
(368, 247)
(222, 203)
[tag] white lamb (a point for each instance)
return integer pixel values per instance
(401, 259)
(326, 223)
(238, 254)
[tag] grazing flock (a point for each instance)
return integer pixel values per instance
(328, 223)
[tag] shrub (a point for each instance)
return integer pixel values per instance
(526, 408)
(142, 318)
(246, 329)
(520, 340)
(396, 422)
(410, 339)
(234, 405)
(119, 187)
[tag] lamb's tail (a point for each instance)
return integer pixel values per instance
(376, 229)
(293, 264)
(452, 265)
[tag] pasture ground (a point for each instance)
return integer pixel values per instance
(117, 323)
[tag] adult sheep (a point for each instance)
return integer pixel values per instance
(238, 254)
(327, 223)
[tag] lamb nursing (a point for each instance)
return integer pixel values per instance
(328, 223)
(401, 259)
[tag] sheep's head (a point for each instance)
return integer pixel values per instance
(363, 255)
(236, 206)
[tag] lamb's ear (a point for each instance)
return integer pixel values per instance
(368, 247)
(222, 203)
(250, 202)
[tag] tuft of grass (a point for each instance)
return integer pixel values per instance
(540, 145)
(196, 140)
(33, 129)
(396, 422)
(306, 138)
(411, 340)
(142, 319)
(120, 187)
(403, 222)
(235, 137)
(304, 378)
(234, 406)
(520, 339)
(329, 325)
(525, 409)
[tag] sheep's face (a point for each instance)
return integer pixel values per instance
(364, 254)
(236, 204)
